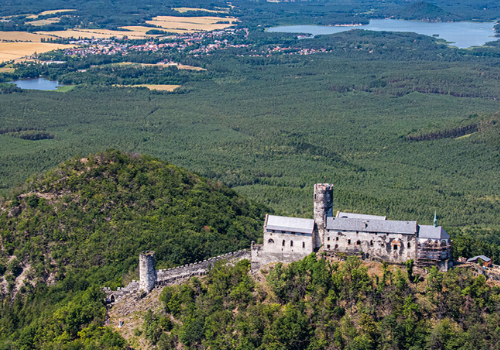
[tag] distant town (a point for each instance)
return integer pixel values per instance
(196, 44)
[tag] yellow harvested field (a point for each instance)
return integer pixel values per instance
(55, 11)
(51, 12)
(137, 29)
(43, 22)
(179, 66)
(21, 36)
(172, 23)
(96, 33)
(11, 51)
(186, 9)
(159, 87)
(7, 70)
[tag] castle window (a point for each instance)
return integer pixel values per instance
(336, 238)
(348, 241)
(358, 242)
(371, 243)
(270, 241)
(409, 244)
(395, 247)
(303, 244)
(328, 247)
(328, 238)
(336, 246)
(291, 243)
(283, 244)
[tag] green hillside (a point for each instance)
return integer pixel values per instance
(82, 225)
(317, 304)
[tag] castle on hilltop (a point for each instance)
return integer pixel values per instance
(288, 239)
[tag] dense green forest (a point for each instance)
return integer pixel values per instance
(317, 304)
(70, 231)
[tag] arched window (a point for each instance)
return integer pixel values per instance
(270, 241)
(409, 245)
(348, 241)
(303, 244)
(291, 243)
(371, 243)
(358, 242)
(283, 244)
(112, 298)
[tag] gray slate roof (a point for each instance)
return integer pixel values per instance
(360, 216)
(378, 226)
(431, 232)
(284, 223)
(482, 257)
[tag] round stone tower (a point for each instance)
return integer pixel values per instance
(147, 271)
(323, 207)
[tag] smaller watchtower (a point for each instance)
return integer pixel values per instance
(323, 207)
(147, 271)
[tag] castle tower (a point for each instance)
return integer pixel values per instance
(147, 271)
(323, 207)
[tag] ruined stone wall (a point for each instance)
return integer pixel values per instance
(197, 269)
(164, 277)
(396, 248)
(261, 257)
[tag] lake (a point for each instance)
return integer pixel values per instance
(459, 34)
(37, 84)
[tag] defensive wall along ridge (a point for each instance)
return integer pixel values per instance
(150, 278)
(288, 239)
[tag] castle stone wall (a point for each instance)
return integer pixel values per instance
(396, 248)
(197, 269)
(261, 257)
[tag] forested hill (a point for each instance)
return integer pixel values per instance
(83, 224)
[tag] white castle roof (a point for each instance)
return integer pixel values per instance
(284, 223)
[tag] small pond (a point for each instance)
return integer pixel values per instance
(459, 34)
(37, 84)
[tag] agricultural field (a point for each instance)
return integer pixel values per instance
(51, 12)
(22, 36)
(14, 50)
(186, 9)
(160, 65)
(159, 87)
(44, 22)
(191, 24)
(96, 33)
